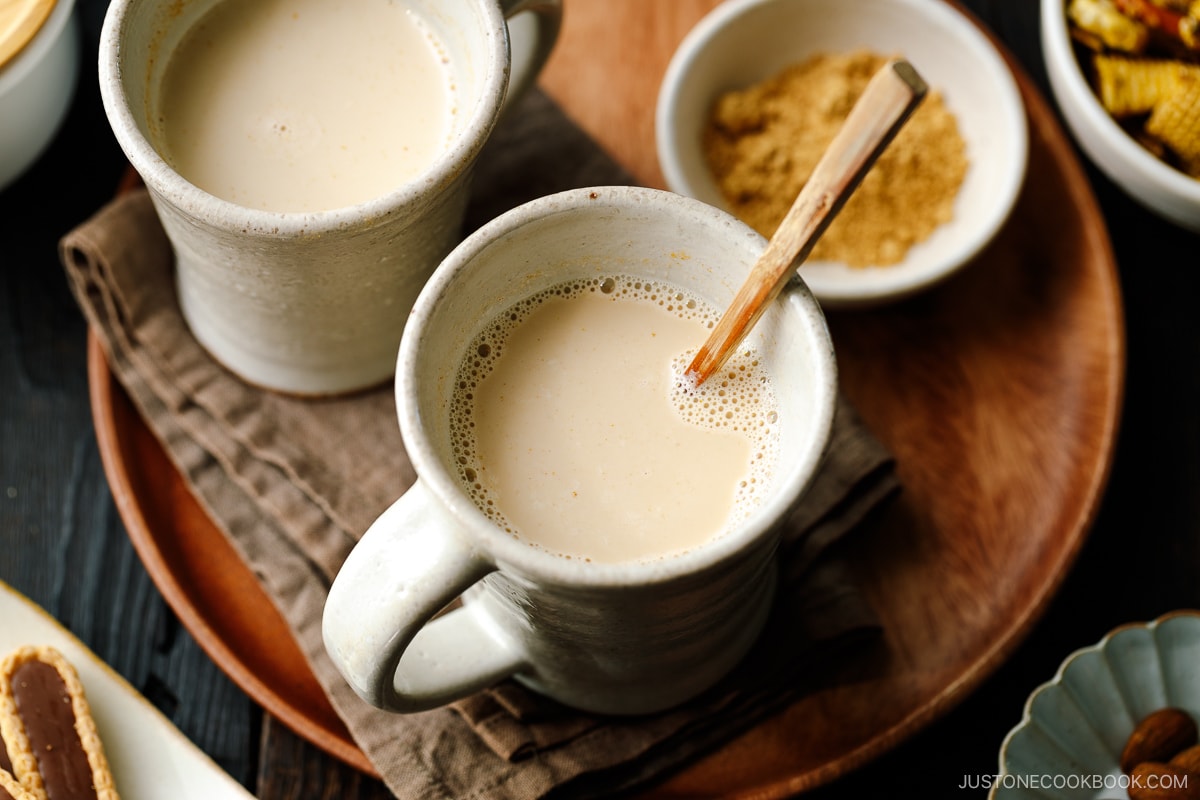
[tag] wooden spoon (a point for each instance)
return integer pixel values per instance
(885, 105)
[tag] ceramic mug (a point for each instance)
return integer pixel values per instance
(624, 637)
(314, 303)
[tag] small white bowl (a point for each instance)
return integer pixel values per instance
(1075, 726)
(1156, 185)
(742, 42)
(36, 87)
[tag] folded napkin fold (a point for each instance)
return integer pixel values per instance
(293, 482)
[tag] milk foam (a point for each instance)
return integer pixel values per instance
(740, 398)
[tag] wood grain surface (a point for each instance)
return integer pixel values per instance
(607, 67)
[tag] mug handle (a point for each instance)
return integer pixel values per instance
(378, 621)
(548, 18)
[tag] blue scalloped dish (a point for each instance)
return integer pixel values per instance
(1070, 738)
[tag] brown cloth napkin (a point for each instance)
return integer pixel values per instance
(294, 482)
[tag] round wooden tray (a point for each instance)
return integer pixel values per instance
(998, 392)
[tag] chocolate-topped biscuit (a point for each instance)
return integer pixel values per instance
(5, 762)
(10, 789)
(48, 730)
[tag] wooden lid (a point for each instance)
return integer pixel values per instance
(19, 21)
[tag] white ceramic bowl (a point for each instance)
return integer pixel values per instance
(1156, 185)
(1075, 726)
(36, 87)
(742, 42)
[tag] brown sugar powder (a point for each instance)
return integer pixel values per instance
(763, 142)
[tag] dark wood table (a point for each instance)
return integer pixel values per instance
(63, 544)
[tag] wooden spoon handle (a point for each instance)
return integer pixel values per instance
(885, 105)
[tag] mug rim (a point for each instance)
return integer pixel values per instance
(504, 550)
(164, 180)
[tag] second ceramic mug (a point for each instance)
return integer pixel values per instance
(315, 302)
(621, 637)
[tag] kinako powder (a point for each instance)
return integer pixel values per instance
(763, 142)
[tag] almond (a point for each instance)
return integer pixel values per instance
(1153, 780)
(1187, 759)
(1159, 737)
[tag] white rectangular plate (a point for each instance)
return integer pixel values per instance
(150, 758)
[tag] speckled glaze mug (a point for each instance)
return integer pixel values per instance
(314, 303)
(622, 637)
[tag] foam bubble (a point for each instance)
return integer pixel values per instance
(740, 398)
